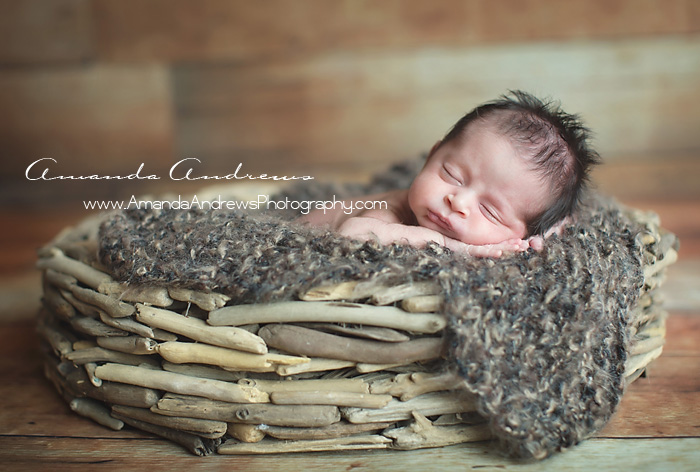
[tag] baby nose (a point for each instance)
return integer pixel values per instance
(459, 205)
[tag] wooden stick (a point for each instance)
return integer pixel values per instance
(314, 365)
(129, 325)
(90, 372)
(311, 385)
(115, 393)
(56, 304)
(83, 344)
(389, 295)
(252, 413)
(365, 368)
(88, 275)
(83, 308)
(190, 425)
(96, 411)
(645, 345)
(108, 304)
(308, 342)
(341, 291)
(184, 353)
(60, 341)
(59, 280)
(360, 400)
(641, 360)
(277, 447)
(368, 332)
(214, 373)
(428, 404)
(205, 301)
(336, 430)
(670, 257)
(335, 312)
(249, 433)
(162, 335)
(100, 354)
(422, 433)
(408, 386)
(182, 384)
(129, 344)
(196, 445)
(148, 294)
(422, 304)
(224, 336)
(94, 328)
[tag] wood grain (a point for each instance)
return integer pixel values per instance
(36, 32)
(356, 110)
(92, 119)
(167, 30)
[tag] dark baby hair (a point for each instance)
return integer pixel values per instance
(556, 142)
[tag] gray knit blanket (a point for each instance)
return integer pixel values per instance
(540, 338)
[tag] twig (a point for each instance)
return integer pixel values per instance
(336, 430)
(368, 332)
(94, 327)
(100, 354)
(128, 344)
(641, 360)
(148, 294)
(56, 303)
(422, 304)
(422, 433)
(341, 291)
(311, 385)
(190, 425)
(428, 404)
(249, 433)
(184, 353)
(360, 400)
(196, 370)
(308, 342)
(407, 386)
(389, 295)
(115, 393)
(314, 365)
(96, 411)
(88, 275)
(191, 442)
(178, 383)
(224, 336)
(324, 312)
(110, 305)
(205, 301)
(90, 372)
(252, 413)
(59, 340)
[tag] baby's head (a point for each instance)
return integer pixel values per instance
(510, 168)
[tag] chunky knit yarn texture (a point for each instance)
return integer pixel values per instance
(540, 338)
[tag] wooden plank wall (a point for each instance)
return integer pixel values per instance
(328, 88)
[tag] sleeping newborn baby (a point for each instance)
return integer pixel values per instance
(508, 173)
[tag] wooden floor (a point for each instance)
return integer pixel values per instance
(657, 426)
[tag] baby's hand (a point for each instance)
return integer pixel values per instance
(537, 242)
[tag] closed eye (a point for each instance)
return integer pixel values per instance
(451, 176)
(491, 214)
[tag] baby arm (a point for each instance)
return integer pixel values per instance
(374, 227)
(392, 224)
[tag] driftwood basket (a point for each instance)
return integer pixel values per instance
(349, 366)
